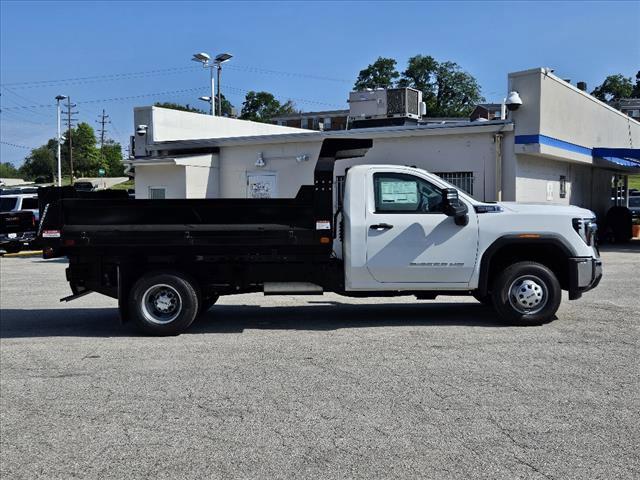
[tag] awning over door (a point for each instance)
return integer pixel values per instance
(627, 158)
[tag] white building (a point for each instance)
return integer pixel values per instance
(546, 151)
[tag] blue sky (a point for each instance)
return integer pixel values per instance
(310, 52)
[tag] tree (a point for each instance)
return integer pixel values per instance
(111, 159)
(226, 107)
(636, 88)
(447, 90)
(614, 88)
(86, 156)
(263, 106)
(39, 164)
(380, 73)
(177, 106)
(8, 170)
(420, 74)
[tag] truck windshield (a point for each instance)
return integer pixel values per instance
(7, 204)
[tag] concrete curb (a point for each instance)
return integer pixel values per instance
(26, 254)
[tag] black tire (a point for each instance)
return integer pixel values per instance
(526, 294)
(208, 302)
(163, 303)
(486, 300)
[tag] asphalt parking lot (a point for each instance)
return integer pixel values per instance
(319, 387)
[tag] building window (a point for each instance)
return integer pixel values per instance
(157, 193)
(327, 123)
(462, 180)
(563, 186)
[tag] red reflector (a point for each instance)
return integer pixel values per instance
(68, 242)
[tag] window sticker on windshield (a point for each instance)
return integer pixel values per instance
(399, 192)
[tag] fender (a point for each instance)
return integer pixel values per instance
(515, 239)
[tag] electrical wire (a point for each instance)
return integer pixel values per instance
(16, 145)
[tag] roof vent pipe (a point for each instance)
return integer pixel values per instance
(582, 86)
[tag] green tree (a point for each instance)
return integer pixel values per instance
(636, 88)
(447, 90)
(39, 164)
(86, 156)
(8, 170)
(420, 74)
(381, 73)
(226, 107)
(111, 159)
(614, 88)
(263, 106)
(178, 106)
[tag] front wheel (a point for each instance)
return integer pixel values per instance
(163, 303)
(527, 293)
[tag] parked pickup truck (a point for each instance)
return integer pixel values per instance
(395, 231)
(17, 229)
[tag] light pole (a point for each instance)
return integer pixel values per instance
(220, 59)
(58, 99)
(205, 60)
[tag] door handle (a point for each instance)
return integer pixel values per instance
(381, 226)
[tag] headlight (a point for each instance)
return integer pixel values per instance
(587, 228)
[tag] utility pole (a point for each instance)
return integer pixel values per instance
(59, 98)
(70, 121)
(103, 121)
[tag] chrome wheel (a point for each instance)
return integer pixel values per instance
(528, 294)
(161, 304)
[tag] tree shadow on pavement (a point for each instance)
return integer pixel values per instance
(319, 316)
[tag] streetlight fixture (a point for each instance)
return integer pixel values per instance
(205, 60)
(59, 98)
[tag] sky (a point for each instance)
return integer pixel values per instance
(118, 55)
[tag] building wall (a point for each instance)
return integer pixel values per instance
(438, 153)
(238, 161)
(557, 109)
(202, 176)
(171, 177)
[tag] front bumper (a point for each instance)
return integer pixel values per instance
(585, 274)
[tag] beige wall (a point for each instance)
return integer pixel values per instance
(237, 161)
(438, 153)
(172, 177)
(558, 109)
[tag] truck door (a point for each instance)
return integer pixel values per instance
(409, 239)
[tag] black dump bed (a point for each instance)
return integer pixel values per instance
(73, 222)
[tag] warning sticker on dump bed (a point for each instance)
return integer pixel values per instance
(51, 233)
(323, 225)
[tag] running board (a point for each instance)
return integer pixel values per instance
(74, 296)
(292, 288)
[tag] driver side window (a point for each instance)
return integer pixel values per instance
(404, 193)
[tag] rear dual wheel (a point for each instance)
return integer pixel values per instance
(164, 303)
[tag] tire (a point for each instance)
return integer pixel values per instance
(163, 303)
(526, 294)
(207, 303)
(486, 300)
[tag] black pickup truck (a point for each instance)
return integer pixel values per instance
(17, 229)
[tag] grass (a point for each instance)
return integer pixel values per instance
(634, 181)
(124, 186)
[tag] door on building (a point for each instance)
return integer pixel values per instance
(410, 240)
(262, 185)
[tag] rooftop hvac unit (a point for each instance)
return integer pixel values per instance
(389, 103)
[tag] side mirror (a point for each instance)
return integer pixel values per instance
(453, 207)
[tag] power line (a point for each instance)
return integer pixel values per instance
(94, 78)
(103, 121)
(16, 145)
